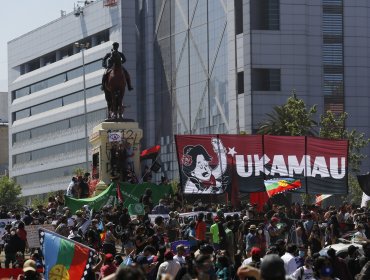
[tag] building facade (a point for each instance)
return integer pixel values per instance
(46, 90)
(4, 134)
(198, 67)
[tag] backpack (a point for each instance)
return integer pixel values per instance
(301, 272)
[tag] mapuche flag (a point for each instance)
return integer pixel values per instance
(280, 185)
(64, 258)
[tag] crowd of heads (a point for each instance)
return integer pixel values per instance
(274, 243)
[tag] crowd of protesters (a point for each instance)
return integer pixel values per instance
(280, 242)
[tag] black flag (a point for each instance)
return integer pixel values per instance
(364, 181)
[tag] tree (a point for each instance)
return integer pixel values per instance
(9, 191)
(291, 119)
(332, 126)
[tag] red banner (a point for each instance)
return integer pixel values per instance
(211, 164)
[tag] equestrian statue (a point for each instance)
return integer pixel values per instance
(114, 82)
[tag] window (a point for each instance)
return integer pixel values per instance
(265, 14)
(266, 79)
(238, 6)
(46, 175)
(334, 104)
(22, 114)
(61, 78)
(240, 78)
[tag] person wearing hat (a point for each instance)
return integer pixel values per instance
(109, 267)
(273, 231)
(62, 228)
(80, 219)
(254, 259)
(107, 64)
(169, 266)
(29, 271)
(272, 268)
(251, 239)
(109, 243)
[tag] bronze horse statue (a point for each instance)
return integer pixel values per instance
(114, 87)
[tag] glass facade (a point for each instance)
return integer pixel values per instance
(191, 66)
(266, 79)
(265, 14)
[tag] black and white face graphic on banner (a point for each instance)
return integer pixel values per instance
(201, 177)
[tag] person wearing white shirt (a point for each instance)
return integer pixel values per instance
(255, 258)
(289, 259)
(169, 266)
(305, 272)
(360, 234)
(179, 257)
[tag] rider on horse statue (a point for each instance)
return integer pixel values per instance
(108, 66)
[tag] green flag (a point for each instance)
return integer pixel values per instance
(136, 209)
(96, 202)
(131, 195)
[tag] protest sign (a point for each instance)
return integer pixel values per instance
(33, 238)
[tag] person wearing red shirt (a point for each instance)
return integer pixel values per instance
(109, 267)
(200, 228)
(22, 234)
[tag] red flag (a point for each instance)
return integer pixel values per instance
(320, 198)
(259, 198)
(150, 153)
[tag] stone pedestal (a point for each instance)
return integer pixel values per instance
(119, 141)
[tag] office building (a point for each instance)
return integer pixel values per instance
(4, 135)
(198, 67)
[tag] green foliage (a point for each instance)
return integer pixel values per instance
(308, 199)
(295, 119)
(79, 171)
(9, 191)
(175, 186)
(354, 189)
(291, 119)
(333, 127)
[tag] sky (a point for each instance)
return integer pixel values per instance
(18, 17)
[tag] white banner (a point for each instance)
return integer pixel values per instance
(33, 238)
(3, 223)
(364, 200)
(193, 215)
(115, 136)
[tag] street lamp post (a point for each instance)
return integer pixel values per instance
(82, 47)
